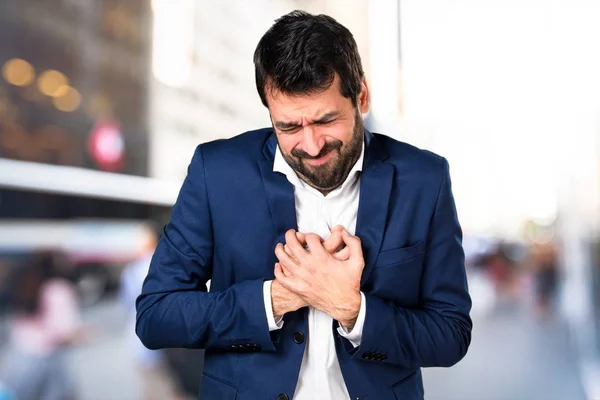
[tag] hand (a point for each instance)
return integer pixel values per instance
(283, 300)
(334, 244)
(323, 280)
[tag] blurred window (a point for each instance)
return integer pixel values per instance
(173, 41)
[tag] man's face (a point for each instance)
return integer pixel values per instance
(320, 135)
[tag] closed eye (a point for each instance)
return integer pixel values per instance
(328, 122)
(289, 130)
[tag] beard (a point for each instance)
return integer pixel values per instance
(330, 175)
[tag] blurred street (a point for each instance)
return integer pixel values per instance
(104, 369)
(513, 356)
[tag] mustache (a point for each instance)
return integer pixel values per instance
(329, 146)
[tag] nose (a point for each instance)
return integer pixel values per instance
(312, 142)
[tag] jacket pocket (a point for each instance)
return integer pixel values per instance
(213, 388)
(400, 255)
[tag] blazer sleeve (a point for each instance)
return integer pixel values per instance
(438, 332)
(174, 308)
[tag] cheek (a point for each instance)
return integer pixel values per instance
(288, 142)
(341, 132)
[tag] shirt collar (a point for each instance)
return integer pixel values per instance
(280, 165)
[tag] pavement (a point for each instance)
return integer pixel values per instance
(513, 356)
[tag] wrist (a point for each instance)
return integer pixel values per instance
(349, 313)
(276, 305)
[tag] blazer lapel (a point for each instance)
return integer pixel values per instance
(279, 192)
(375, 188)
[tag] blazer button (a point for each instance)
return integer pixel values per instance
(283, 396)
(299, 337)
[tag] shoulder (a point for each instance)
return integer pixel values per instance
(232, 160)
(247, 145)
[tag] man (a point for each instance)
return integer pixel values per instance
(334, 254)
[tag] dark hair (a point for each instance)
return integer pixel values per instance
(301, 53)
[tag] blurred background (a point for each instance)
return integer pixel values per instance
(102, 103)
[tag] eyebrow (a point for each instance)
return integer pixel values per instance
(322, 119)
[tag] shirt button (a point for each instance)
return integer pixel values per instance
(299, 337)
(283, 396)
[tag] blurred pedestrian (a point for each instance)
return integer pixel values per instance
(157, 380)
(45, 321)
(546, 276)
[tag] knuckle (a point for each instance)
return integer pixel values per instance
(311, 236)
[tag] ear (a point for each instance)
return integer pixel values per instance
(363, 96)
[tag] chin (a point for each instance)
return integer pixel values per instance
(326, 188)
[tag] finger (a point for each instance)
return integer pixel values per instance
(285, 272)
(353, 242)
(280, 275)
(293, 284)
(342, 255)
(296, 248)
(289, 252)
(291, 267)
(285, 259)
(337, 228)
(277, 270)
(333, 242)
(301, 238)
(315, 245)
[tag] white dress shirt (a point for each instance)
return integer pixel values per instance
(320, 376)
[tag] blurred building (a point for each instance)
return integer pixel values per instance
(73, 93)
(203, 78)
(74, 139)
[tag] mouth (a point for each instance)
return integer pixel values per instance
(320, 160)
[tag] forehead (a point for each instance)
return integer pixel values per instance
(287, 107)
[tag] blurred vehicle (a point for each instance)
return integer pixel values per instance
(97, 218)
(97, 251)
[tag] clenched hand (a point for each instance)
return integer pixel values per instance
(325, 279)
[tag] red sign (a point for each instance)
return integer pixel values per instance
(106, 146)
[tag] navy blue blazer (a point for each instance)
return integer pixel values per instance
(231, 212)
